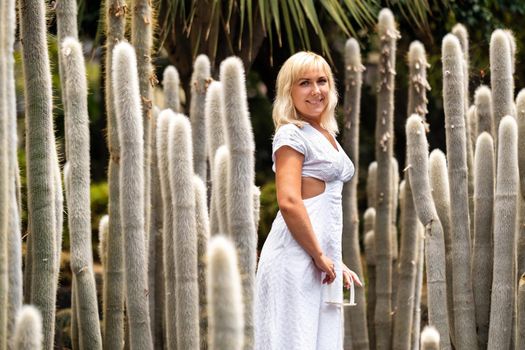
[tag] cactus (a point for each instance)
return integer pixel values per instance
(520, 106)
(407, 271)
(483, 209)
(41, 154)
(256, 206)
(371, 276)
(220, 188)
(441, 195)
(113, 325)
(79, 195)
(168, 238)
(203, 234)
(430, 338)
(171, 87)
(394, 197)
(420, 261)
(154, 236)
(464, 315)
(371, 185)
(28, 329)
(130, 132)
(102, 240)
(384, 134)
(505, 212)
(520, 343)
(199, 84)
(185, 231)
(417, 159)
(241, 176)
(215, 136)
(418, 84)
(226, 321)
(501, 80)
(473, 131)
(483, 103)
(355, 327)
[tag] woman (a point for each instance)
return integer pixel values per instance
(300, 277)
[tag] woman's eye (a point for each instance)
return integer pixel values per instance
(323, 81)
(304, 83)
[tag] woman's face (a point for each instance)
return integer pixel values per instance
(310, 94)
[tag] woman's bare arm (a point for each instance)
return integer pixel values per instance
(288, 165)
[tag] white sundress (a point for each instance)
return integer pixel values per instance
(291, 309)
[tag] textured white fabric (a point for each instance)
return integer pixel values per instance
(291, 312)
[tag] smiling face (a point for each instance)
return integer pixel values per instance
(310, 94)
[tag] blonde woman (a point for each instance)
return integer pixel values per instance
(300, 276)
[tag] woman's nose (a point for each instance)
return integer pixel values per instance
(315, 89)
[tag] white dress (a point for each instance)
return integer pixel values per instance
(293, 309)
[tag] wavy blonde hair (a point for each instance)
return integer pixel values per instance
(284, 111)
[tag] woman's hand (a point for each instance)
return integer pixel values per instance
(348, 276)
(326, 265)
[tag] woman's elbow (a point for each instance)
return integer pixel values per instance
(289, 204)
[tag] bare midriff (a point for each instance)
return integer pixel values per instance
(311, 187)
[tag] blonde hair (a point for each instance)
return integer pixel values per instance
(284, 111)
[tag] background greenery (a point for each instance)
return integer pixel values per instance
(424, 20)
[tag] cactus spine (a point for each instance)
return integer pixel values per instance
(505, 212)
(483, 209)
(501, 80)
(28, 329)
(483, 103)
(79, 196)
(215, 136)
(226, 321)
(128, 113)
(203, 234)
(41, 155)
(355, 327)
(113, 325)
(199, 84)
(220, 188)
(384, 134)
(171, 87)
(183, 197)
(440, 193)
(407, 271)
(417, 155)
(453, 98)
(241, 177)
(430, 338)
(168, 238)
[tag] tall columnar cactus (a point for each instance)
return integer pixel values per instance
(199, 84)
(154, 236)
(505, 210)
(420, 261)
(130, 133)
(14, 248)
(394, 199)
(501, 80)
(113, 313)
(483, 103)
(355, 326)
(483, 254)
(66, 17)
(520, 106)
(220, 189)
(79, 211)
(103, 230)
(241, 176)
(168, 238)
(453, 98)
(215, 137)
(369, 242)
(384, 134)
(28, 329)
(185, 230)
(225, 308)
(417, 159)
(203, 234)
(430, 338)
(418, 84)
(171, 87)
(520, 343)
(40, 153)
(371, 184)
(440, 193)
(407, 271)
(472, 119)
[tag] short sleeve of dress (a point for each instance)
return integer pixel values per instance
(288, 135)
